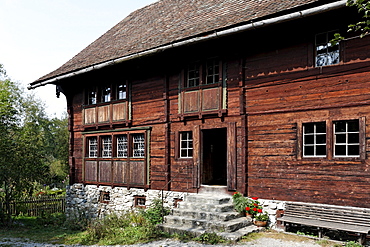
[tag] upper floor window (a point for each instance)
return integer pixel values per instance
(202, 73)
(91, 96)
(121, 91)
(326, 52)
(106, 93)
(186, 144)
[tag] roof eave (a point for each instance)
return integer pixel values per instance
(200, 38)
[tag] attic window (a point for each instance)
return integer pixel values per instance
(91, 96)
(106, 94)
(326, 52)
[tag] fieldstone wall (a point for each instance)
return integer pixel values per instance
(272, 207)
(86, 200)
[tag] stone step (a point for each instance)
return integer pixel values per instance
(204, 215)
(206, 207)
(207, 199)
(213, 225)
(195, 231)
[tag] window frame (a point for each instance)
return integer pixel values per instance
(327, 46)
(187, 148)
(202, 68)
(347, 144)
(315, 144)
(330, 139)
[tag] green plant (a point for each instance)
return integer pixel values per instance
(210, 238)
(262, 217)
(352, 244)
(156, 212)
(253, 207)
(240, 202)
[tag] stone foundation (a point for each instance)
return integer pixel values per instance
(96, 201)
(93, 201)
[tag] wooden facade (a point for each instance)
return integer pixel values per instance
(176, 129)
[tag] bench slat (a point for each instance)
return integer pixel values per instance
(326, 224)
(350, 219)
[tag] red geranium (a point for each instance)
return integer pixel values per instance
(247, 208)
(254, 209)
(259, 210)
(255, 198)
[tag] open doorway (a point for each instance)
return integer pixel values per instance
(214, 157)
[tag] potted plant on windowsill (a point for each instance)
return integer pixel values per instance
(261, 219)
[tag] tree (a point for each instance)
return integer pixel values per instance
(362, 26)
(22, 144)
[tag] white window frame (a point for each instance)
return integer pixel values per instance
(93, 147)
(347, 144)
(186, 144)
(315, 144)
(122, 146)
(106, 150)
(138, 145)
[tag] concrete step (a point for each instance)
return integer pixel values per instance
(206, 215)
(214, 225)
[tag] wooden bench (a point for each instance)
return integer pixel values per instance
(349, 219)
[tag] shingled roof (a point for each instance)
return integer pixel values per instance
(168, 21)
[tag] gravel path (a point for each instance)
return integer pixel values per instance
(262, 242)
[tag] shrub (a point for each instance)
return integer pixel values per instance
(156, 212)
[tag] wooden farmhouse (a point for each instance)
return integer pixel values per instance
(247, 95)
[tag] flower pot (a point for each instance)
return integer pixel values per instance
(260, 223)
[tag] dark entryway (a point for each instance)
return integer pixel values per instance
(214, 155)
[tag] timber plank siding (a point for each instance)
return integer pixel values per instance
(267, 88)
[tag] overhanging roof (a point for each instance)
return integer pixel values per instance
(171, 23)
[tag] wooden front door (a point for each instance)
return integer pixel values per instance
(214, 157)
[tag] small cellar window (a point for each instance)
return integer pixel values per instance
(104, 197)
(139, 201)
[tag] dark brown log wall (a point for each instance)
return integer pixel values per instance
(278, 102)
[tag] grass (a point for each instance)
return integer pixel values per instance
(129, 228)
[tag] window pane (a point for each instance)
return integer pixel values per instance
(93, 147)
(308, 150)
(308, 128)
(347, 134)
(314, 139)
(340, 150)
(186, 144)
(340, 138)
(121, 91)
(106, 92)
(353, 126)
(354, 150)
(107, 147)
(340, 126)
(309, 139)
(353, 138)
(138, 146)
(326, 53)
(321, 150)
(122, 146)
(91, 97)
(321, 139)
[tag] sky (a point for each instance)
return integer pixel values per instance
(38, 36)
